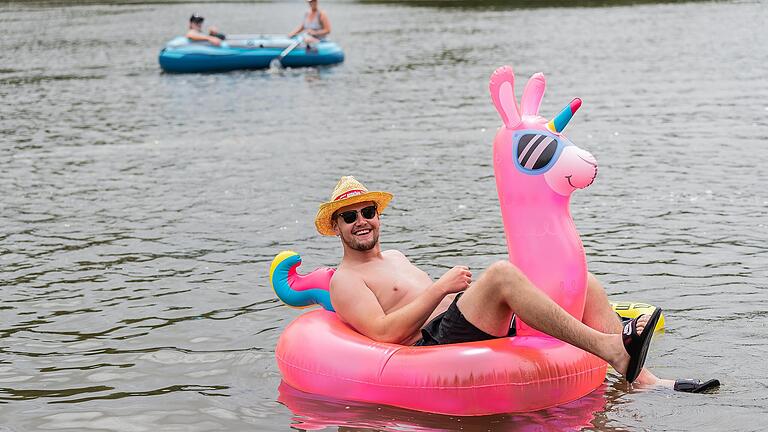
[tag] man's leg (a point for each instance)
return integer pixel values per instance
(503, 290)
(599, 315)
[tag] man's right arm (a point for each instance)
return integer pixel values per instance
(358, 306)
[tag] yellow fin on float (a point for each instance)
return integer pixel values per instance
(633, 310)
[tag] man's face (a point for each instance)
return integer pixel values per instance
(361, 234)
(196, 25)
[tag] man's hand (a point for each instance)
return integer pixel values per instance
(455, 280)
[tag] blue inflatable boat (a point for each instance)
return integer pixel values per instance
(244, 52)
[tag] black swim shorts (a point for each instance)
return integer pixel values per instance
(451, 327)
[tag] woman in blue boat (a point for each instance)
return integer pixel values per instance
(315, 26)
(195, 32)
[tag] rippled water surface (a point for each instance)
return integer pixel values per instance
(141, 210)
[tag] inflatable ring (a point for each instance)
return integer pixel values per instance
(318, 353)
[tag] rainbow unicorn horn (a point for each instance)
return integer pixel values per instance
(561, 120)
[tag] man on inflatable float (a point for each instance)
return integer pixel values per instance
(544, 288)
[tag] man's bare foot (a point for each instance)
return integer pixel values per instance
(648, 379)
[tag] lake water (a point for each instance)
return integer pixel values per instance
(141, 210)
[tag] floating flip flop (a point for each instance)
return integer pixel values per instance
(637, 345)
(695, 385)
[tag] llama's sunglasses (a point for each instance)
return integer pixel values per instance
(535, 151)
(350, 216)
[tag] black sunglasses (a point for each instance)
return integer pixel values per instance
(350, 216)
(536, 152)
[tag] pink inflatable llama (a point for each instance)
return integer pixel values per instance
(537, 168)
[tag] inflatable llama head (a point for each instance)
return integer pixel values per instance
(537, 168)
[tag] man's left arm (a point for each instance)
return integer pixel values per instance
(326, 23)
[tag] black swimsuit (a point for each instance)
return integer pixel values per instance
(451, 327)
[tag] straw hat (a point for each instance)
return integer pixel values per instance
(348, 191)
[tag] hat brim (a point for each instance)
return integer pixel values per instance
(323, 221)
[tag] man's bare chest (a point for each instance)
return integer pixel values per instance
(395, 286)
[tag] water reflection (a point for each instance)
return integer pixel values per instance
(313, 412)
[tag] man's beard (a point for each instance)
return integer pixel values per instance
(358, 246)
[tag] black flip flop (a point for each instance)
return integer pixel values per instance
(695, 385)
(637, 345)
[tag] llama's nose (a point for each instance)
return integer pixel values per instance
(587, 157)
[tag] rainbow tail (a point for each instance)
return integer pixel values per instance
(298, 290)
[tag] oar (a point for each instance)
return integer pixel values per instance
(277, 62)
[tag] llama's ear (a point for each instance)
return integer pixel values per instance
(502, 88)
(532, 95)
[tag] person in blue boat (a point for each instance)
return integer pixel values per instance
(196, 33)
(382, 295)
(315, 25)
